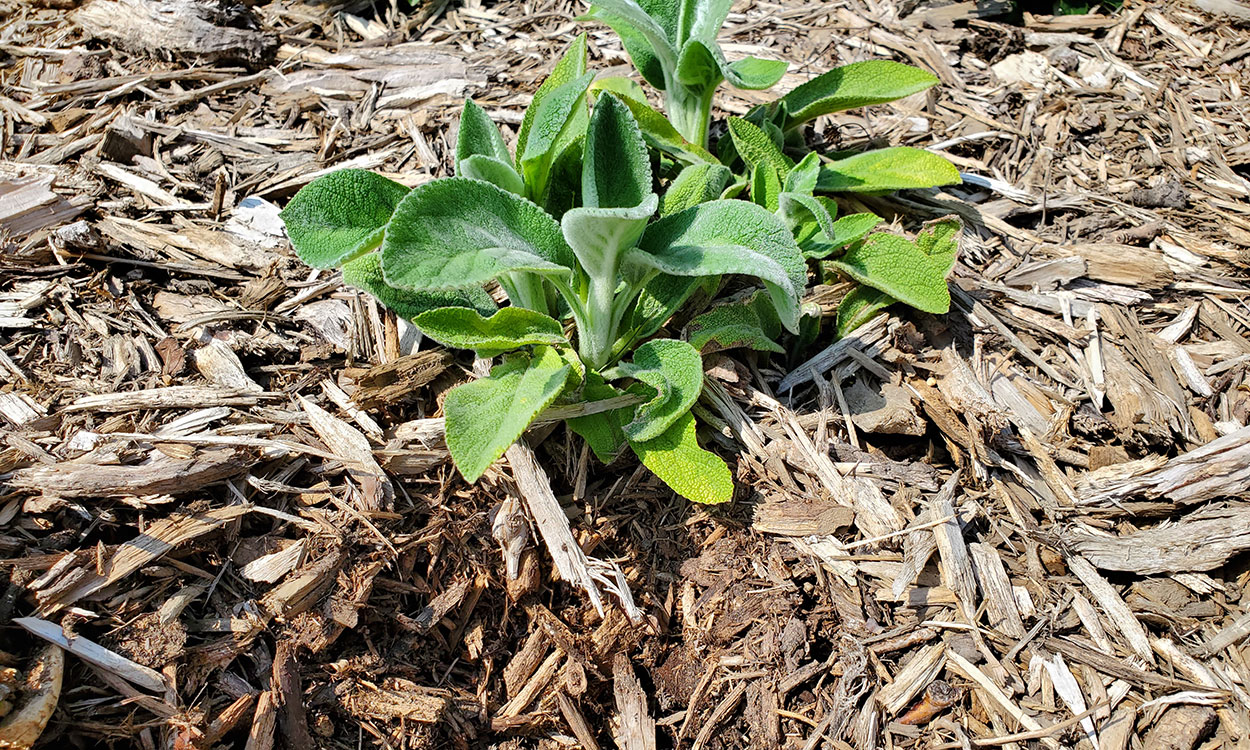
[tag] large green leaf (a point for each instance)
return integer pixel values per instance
(487, 415)
(859, 306)
(508, 329)
(728, 237)
(730, 326)
(341, 215)
(940, 241)
(479, 136)
(754, 73)
(616, 170)
(365, 272)
(454, 233)
(697, 183)
(856, 85)
(896, 266)
(572, 65)
(676, 458)
(673, 370)
(887, 169)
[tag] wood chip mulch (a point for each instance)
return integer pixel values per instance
(223, 490)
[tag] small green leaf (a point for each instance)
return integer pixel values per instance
(697, 183)
(896, 266)
(674, 372)
(765, 188)
(487, 415)
(479, 136)
(846, 230)
(550, 131)
(659, 299)
(803, 178)
(602, 432)
(365, 273)
(646, 33)
(856, 85)
(753, 73)
(676, 458)
(489, 169)
(572, 65)
(341, 215)
(757, 149)
(701, 19)
(887, 169)
(697, 68)
(455, 233)
(730, 326)
(510, 328)
(940, 241)
(616, 171)
(598, 236)
(859, 306)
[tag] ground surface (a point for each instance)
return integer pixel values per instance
(1036, 513)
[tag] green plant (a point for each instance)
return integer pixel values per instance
(673, 45)
(765, 158)
(605, 266)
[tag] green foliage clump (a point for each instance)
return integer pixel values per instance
(608, 218)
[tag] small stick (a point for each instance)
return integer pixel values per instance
(939, 696)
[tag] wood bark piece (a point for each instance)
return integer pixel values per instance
(1203, 541)
(185, 28)
(159, 539)
(553, 525)
(1113, 606)
(172, 397)
(291, 718)
(93, 653)
(1180, 728)
(1221, 468)
(163, 475)
(353, 449)
(636, 728)
(22, 728)
(920, 670)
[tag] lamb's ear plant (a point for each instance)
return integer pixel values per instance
(607, 264)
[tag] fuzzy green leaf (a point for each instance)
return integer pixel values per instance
(701, 19)
(455, 233)
(896, 266)
(940, 241)
(487, 415)
(598, 236)
(479, 136)
(646, 33)
(803, 178)
(674, 372)
(730, 326)
(724, 237)
(657, 131)
(856, 85)
(616, 170)
(766, 188)
(572, 65)
(676, 458)
(846, 230)
(365, 273)
(559, 117)
(510, 328)
(489, 169)
(697, 183)
(754, 73)
(340, 216)
(602, 432)
(697, 68)
(757, 149)
(887, 169)
(859, 306)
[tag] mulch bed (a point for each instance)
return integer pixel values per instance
(223, 488)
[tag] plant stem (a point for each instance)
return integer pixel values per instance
(690, 112)
(595, 338)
